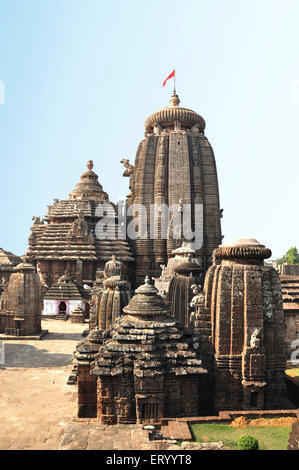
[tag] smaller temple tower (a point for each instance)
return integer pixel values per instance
(71, 236)
(180, 292)
(247, 327)
(20, 313)
(110, 295)
(145, 368)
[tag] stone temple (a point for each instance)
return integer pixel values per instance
(158, 345)
(66, 239)
(20, 303)
(244, 302)
(174, 165)
(231, 356)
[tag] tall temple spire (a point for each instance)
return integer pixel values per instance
(175, 159)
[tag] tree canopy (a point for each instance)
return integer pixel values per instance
(291, 256)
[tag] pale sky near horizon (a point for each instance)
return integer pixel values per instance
(81, 77)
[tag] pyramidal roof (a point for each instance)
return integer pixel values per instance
(8, 258)
(89, 186)
(146, 302)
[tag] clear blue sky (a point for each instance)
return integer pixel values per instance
(81, 76)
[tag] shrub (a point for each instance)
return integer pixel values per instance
(247, 443)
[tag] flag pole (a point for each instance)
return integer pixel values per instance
(174, 91)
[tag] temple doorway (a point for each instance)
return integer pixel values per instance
(62, 308)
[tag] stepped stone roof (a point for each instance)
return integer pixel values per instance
(8, 259)
(63, 291)
(51, 243)
(88, 347)
(146, 342)
(89, 186)
(70, 231)
(290, 293)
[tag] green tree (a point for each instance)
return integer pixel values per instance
(291, 256)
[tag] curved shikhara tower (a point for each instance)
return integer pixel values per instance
(174, 165)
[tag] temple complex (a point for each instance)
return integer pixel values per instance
(145, 368)
(20, 303)
(172, 349)
(66, 238)
(174, 166)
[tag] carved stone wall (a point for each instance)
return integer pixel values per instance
(247, 328)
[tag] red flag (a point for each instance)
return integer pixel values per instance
(169, 76)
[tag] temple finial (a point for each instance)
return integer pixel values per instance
(90, 164)
(174, 99)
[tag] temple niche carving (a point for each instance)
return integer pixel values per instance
(79, 229)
